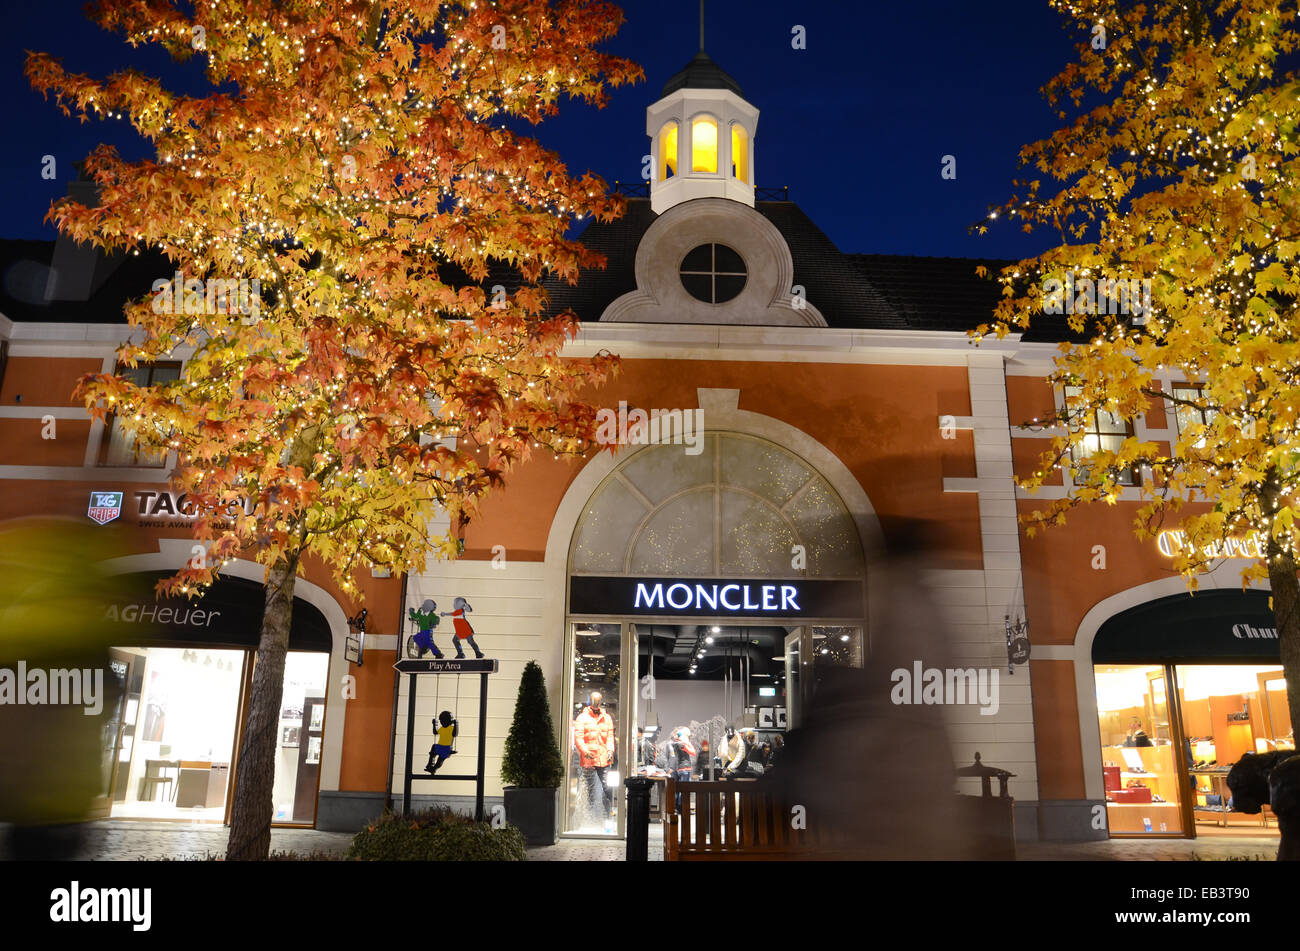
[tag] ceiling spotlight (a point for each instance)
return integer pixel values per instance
(844, 637)
(715, 629)
(708, 640)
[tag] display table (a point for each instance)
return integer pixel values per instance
(202, 785)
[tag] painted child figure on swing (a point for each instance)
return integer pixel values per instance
(446, 728)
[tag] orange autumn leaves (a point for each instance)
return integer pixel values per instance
(361, 164)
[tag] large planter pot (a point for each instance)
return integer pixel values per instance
(532, 812)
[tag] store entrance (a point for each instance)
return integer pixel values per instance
(175, 733)
(1169, 735)
(185, 669)
(697, 701)
(1186, 686)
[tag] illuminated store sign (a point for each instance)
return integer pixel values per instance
(1173, 542)
(715, 597)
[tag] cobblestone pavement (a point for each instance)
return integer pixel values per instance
(116, 840)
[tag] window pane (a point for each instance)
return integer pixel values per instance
(700, 260)
(668, 151)
(740, 153)
(1229, 711)
(727, 261)
(301, 737)
(593, 789)
(1139, 762)
(121, 446)
(727, 288)
(699, 286)
(704, 145)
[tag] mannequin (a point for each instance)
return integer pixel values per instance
(681, 758)
(593, 738)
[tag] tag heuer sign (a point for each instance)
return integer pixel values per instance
(105, 506)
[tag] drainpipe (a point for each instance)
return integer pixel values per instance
(397, 682)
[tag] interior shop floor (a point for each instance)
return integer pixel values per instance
(122, 840)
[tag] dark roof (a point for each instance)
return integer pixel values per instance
(701, 73)
(879, 291)
(933, 293)
(25, 271)
(853, 291)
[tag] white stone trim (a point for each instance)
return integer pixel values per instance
(660, 297)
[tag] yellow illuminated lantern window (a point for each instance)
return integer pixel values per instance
(740, 153)
(667, 151)
(704, 145)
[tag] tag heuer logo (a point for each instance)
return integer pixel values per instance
(105, 506)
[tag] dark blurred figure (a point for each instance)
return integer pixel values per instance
(1272, 779)
(774, 754)
(56, 756)
(875, 778)
(1284, 795)
(704, 760)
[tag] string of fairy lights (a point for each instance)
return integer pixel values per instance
(1188, 104)
(347, 207)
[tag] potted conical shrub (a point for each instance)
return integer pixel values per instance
(532, 767)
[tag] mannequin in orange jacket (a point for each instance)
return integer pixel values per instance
(593, 738)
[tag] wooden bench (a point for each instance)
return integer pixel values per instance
(735, 821)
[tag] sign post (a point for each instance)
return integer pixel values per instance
(415, 669)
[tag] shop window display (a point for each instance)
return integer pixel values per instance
(1228, 711)
(302, 727)
(178, 729)
(697, 702)
(593, 787)
(1139, 760)
(1158, 756)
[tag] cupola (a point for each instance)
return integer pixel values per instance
(701, 136)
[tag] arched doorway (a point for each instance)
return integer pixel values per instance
(184, 668)
(1180, 688)
(703, 591)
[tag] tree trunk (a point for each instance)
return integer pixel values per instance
(250, 816)
(1286, 608)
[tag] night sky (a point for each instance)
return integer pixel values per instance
(856, 124)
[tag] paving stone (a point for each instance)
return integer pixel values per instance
(117, 840)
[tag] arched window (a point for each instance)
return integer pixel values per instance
(704, 144)
(668, 151)
(736, 508)
(739, 153)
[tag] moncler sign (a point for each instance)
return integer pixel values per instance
(716, 597)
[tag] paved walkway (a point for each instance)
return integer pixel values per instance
(118, 840)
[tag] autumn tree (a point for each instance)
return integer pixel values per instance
(364, 163)
(1177, 166)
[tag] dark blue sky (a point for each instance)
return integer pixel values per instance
(856, 124)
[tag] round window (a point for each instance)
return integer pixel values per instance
(714, 273)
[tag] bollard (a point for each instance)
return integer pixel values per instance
(638, 818)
